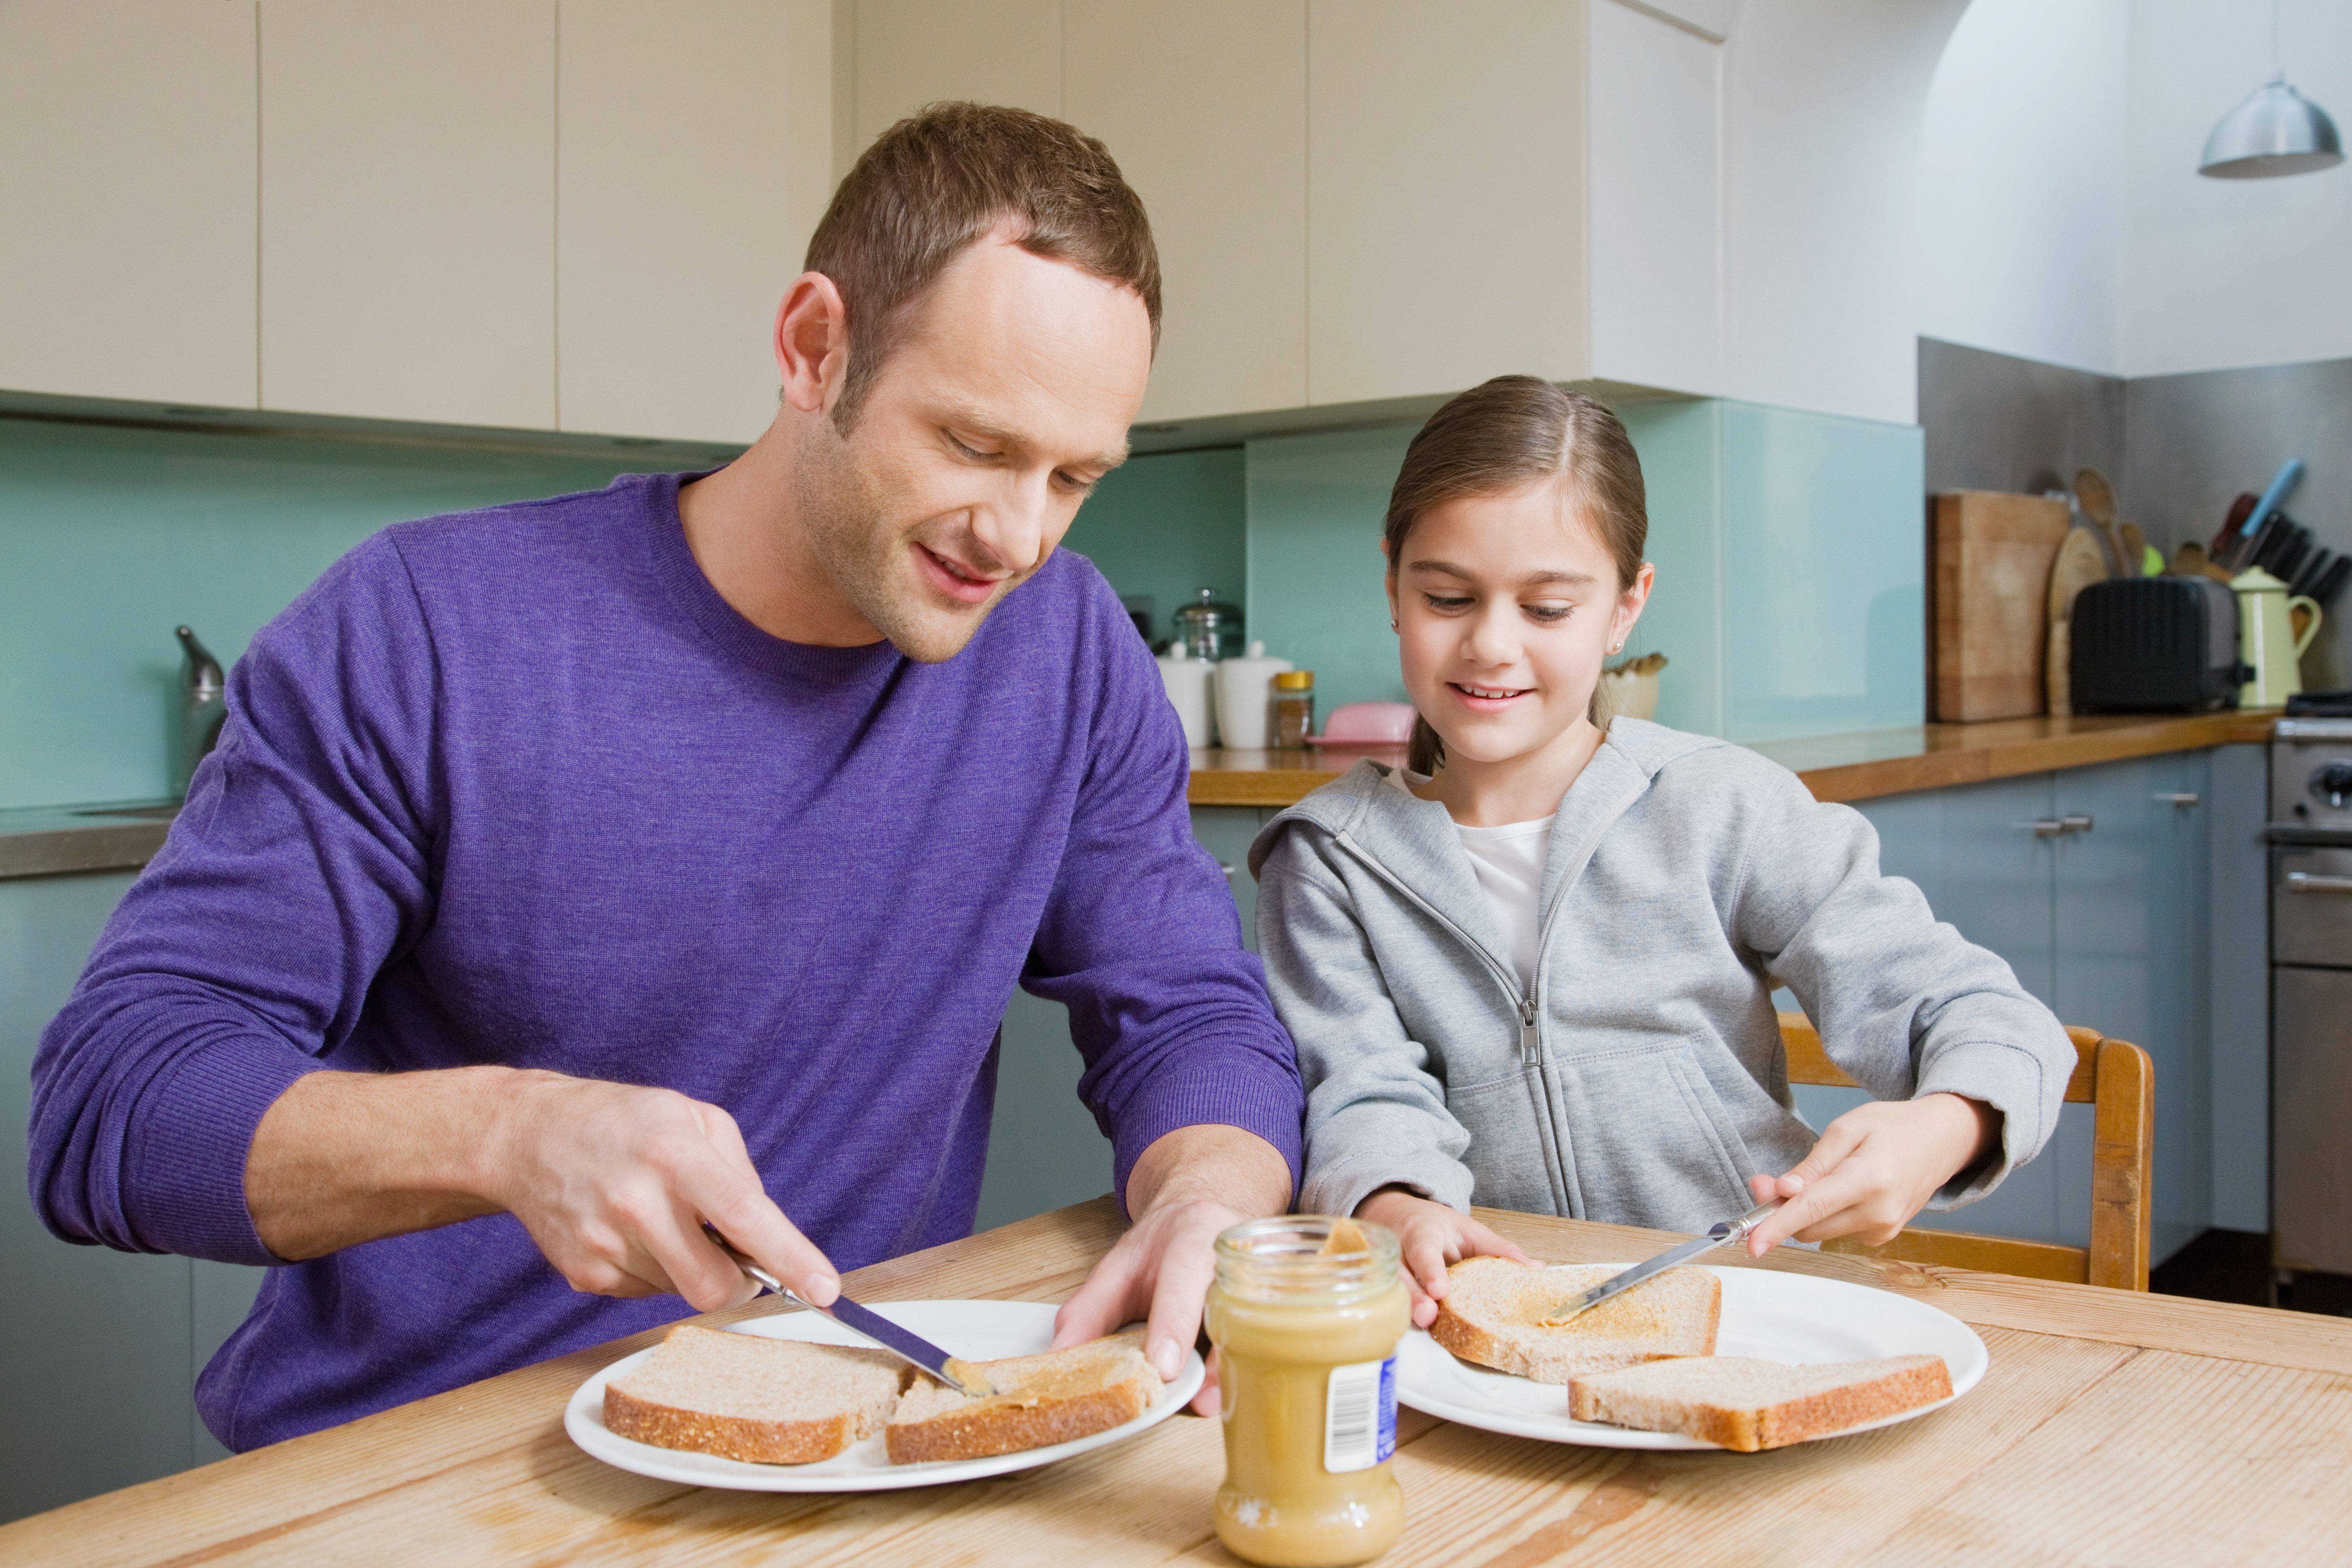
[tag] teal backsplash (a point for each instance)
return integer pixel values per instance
(1789, 547)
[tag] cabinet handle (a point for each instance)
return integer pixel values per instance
(1227, 866)
(2316, 882)
(2179, 797)
(2047, 828)
(2082, 825)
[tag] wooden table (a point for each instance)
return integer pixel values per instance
(2113, 1428)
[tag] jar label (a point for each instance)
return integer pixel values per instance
(1360, 1416)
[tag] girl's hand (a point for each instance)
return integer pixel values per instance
(1429, 1236)
(1873, 1168)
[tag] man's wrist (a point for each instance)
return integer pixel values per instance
(1226, 1165)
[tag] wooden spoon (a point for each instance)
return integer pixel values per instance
(2097, 499)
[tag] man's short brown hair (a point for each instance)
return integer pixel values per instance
(941, 180)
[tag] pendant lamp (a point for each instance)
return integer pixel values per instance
(2276, 131)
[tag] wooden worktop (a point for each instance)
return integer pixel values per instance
(1834, 767)
(2113, 1427)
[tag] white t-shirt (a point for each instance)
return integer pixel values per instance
(1509, 860)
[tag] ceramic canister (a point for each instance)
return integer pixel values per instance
(1244, 694)
(1191, 690)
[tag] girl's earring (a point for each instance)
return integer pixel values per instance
(1392, 625)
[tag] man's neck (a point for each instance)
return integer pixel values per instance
(752, 546)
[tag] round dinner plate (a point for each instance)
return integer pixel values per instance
(976, 1331)
(1768, 1315)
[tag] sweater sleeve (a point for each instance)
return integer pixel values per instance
(1139, 938)
(1903, 1002)
(1376, 1115)
(244, 951)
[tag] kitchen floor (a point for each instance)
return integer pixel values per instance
(2235, 1266)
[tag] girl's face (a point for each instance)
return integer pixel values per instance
(1506, 607)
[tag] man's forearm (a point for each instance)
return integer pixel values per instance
(346, 1157)
(1209, 1163)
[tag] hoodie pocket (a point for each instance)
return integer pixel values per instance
(1508, 1163)
(1650, 1140)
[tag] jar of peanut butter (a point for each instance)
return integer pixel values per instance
(1305, 1313)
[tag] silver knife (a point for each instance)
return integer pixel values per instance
(1722, 1233)
(906, 1346)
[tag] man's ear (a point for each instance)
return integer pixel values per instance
(812, 342)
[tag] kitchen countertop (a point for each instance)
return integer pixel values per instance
(1855, 767)
(2113, 1425)
(49, 840)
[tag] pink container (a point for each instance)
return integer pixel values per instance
(1367, 725)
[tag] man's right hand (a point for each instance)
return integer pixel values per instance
(614, 1181)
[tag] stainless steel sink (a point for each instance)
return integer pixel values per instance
(150, 813)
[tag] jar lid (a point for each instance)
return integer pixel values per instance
(1293, 681)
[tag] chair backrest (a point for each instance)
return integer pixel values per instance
(2112, 1075)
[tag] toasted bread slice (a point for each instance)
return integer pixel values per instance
(1040, 1399)
(1756, 1404)
(1493, 1315)
(743, 1397)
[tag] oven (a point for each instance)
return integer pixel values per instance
(2311, 995)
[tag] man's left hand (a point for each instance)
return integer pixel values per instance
(1188, 1186)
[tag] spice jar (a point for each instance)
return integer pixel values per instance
(1294, 707)
(1307, 1313)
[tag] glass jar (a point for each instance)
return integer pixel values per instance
(1209, 629)
(1307, 1327)
(1294, 707)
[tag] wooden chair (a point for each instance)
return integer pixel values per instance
(2110, 1074)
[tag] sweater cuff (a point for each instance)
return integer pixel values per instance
(1339, 1187)
(2009, 1078)
(1245, 1089)
(194, 1129)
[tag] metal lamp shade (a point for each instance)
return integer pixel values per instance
(2276, 131)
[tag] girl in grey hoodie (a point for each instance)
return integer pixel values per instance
(1534, 970)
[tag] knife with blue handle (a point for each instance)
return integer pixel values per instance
(906, 1346)
(1721, 1234)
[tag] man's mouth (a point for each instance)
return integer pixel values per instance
(1484, 698)
(958, 581)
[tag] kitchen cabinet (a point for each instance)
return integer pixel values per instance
(408, 210)
(127, 260)
(692, 163)
(1204, 106)
(98, 1365)
(908, 53)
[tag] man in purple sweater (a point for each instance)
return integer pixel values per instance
(572, 874)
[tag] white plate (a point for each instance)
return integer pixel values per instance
(976, 1330)
(1768, 1315)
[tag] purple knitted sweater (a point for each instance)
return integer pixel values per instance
(519, 786)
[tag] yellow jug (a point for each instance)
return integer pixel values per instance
(2266, 639)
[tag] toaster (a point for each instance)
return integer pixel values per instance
(2154, 645)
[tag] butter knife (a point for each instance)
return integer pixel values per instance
(904, 1343)
(1722, 1233)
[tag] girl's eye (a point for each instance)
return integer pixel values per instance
(1547, 614)
(1444, 605)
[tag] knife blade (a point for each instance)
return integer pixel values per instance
(905, 1343)
(1720, 1234)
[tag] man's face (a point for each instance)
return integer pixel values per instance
(1006, 401)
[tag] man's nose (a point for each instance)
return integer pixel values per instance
(1014, 529)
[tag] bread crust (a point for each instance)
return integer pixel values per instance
(1010, 1429)
(1906, 1383)
(732, 1436)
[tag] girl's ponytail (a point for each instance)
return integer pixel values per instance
(1500, 435)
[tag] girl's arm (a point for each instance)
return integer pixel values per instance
(1380, 1141)
(1967, 1067)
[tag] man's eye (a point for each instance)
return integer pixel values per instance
(1444, 605)
(975, 452)
(1547, 614)
(1073, 485)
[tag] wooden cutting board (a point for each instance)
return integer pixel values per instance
(1992, 555)
(2080, 563)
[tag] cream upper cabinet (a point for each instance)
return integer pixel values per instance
(908, 53)
(693, 160)
(1655, 110)
(1204, 106)
(408, 209)
(127, 200)
(1445, 178)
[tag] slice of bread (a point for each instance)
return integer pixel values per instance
(1493, 1315)
(743, 1397)
(1756, 1404)
(1040, 1399)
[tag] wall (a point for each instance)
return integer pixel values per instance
(2232, 272)
(1791, 565)
(1995, 422)
(1166, 526)
(2021, 184)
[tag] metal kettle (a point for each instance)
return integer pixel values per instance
(196, 717)
(2266, 641)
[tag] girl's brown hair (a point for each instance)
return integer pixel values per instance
(1504, 433)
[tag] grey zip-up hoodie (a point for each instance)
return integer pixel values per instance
(1640, 1079)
